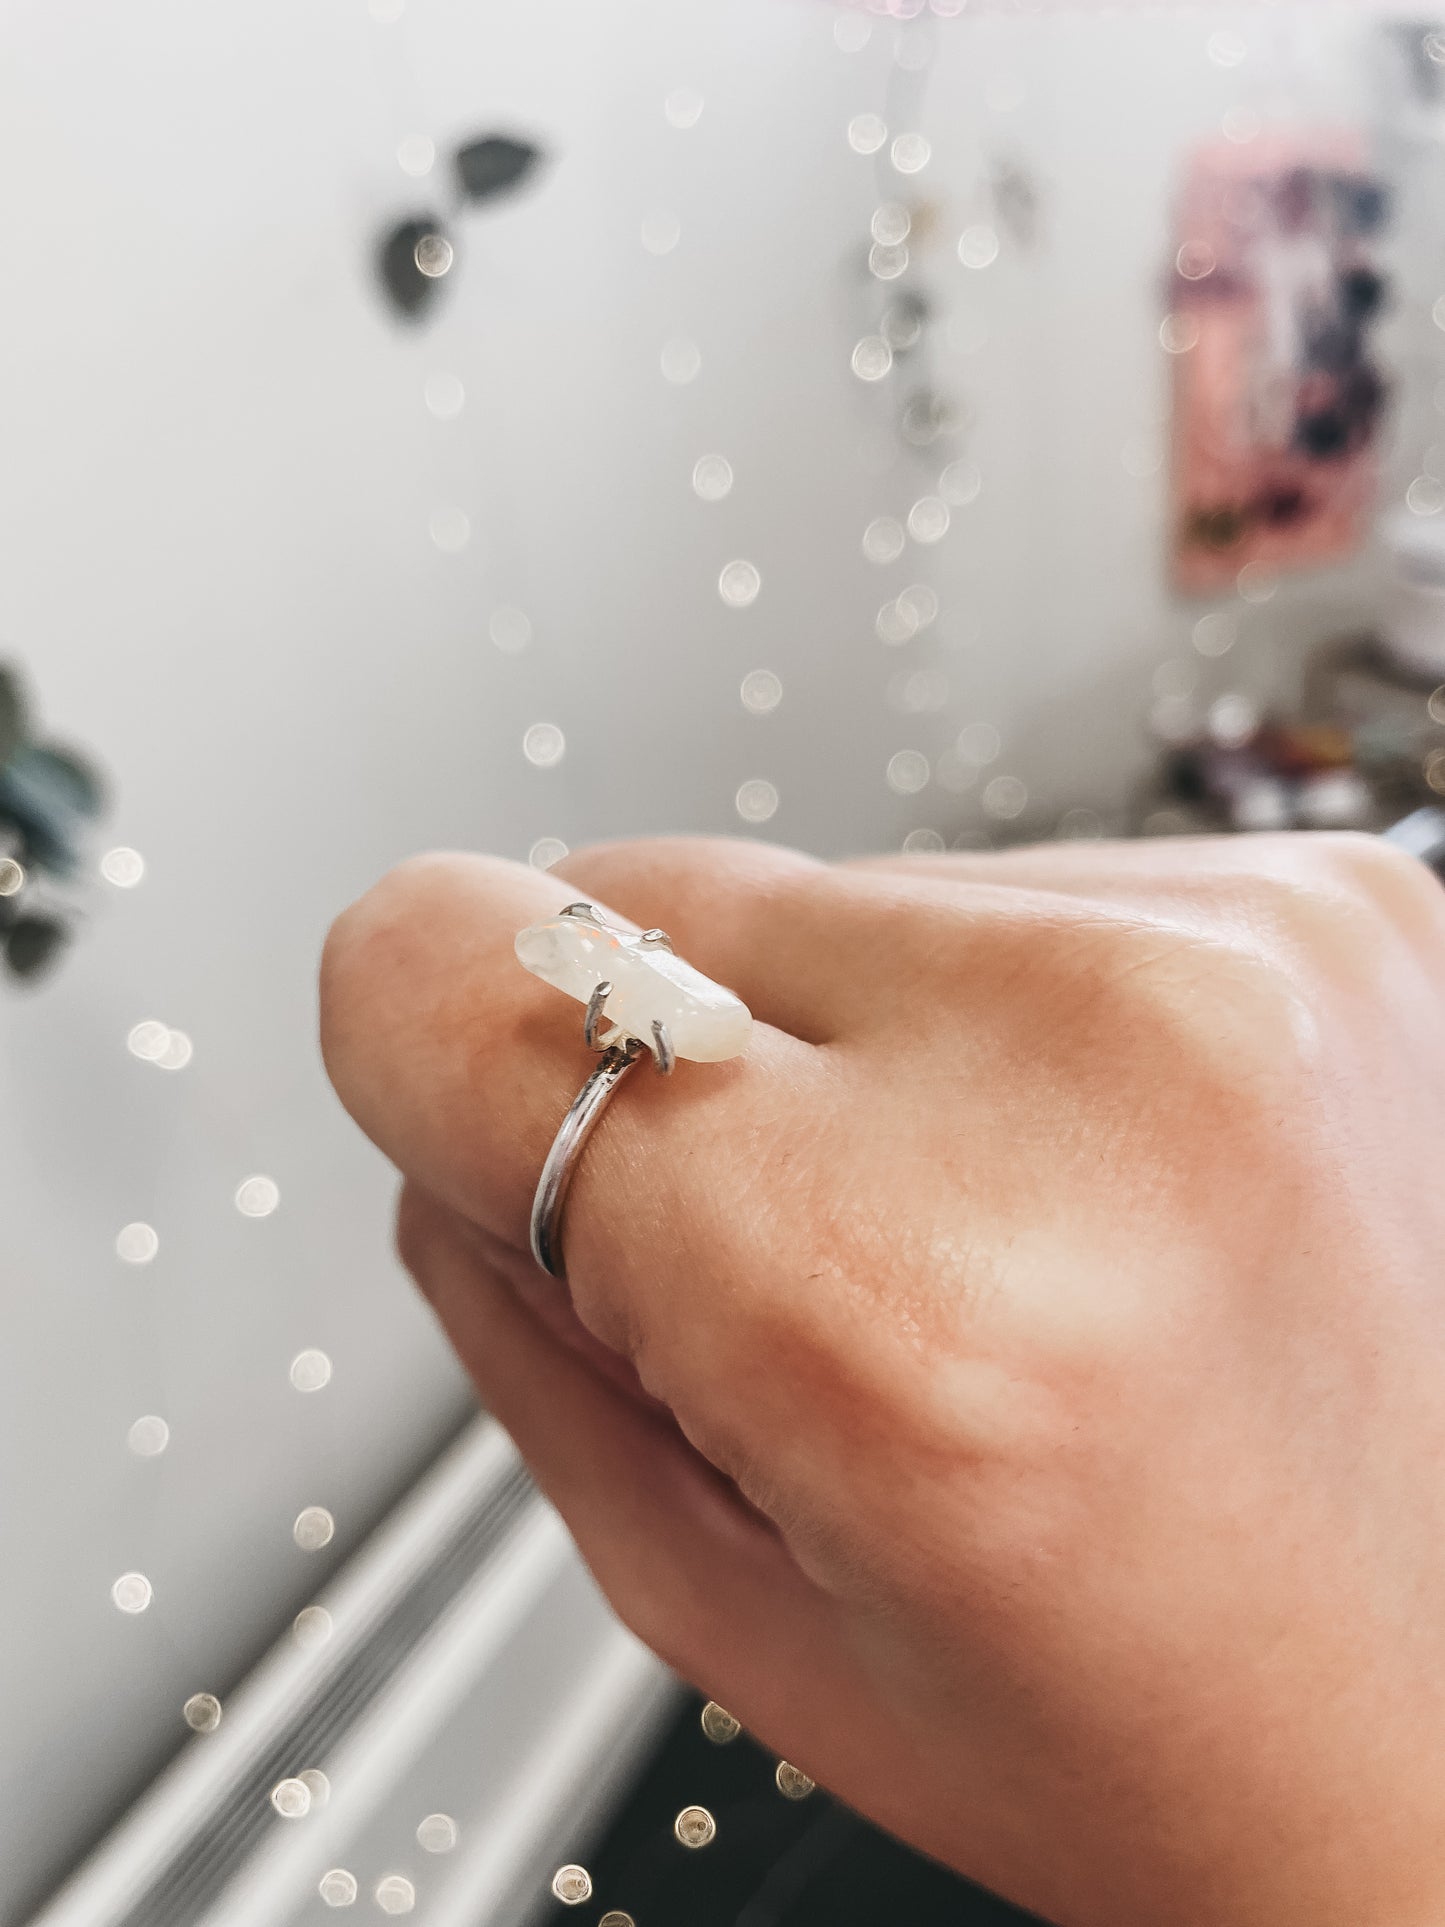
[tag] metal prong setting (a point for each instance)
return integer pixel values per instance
(593, 1019)
(663, 1055)
(584, 912)
(655, 940)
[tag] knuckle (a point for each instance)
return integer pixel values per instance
(338, 953)
(365, 948)
(1217, 1011)
(730, 867)
(338, 990)
(353, 940)
(1351, 909)
(1389, 880)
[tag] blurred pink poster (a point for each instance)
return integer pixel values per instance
(1279, 398)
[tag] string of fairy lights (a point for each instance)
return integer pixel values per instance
(901, 153)
(694, 1827)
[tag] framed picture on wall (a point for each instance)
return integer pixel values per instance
(1278, 290)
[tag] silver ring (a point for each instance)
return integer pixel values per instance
(636, 973)
(566, 1152)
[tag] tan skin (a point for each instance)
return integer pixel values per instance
(1016, 1388)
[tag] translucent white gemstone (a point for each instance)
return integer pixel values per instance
(706, 1023)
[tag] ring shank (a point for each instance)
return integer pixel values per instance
(566, 1152)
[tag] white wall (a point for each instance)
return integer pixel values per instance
(216, 479)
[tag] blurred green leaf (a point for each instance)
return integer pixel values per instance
(33, 945)
(495, 165)
(411, 292)
(12, 714)
(66, 774)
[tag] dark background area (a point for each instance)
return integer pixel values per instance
(774, 1862)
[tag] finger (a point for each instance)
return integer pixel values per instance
(551, 1305)
(751, 915)
(1091, 870)
(1156, 870)
(682, 1232)
(461, 1065)
(697, 1574)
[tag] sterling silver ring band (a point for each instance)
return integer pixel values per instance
(567, 1147)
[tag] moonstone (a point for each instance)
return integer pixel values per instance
(706, 1023)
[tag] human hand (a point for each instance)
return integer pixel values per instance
(1016, 1388)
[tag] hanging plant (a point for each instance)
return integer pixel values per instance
(416, 255)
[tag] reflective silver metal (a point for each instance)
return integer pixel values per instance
(593, 1019)
(663, 1055)
(578, 1125)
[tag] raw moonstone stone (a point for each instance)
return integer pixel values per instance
(705, 1022)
